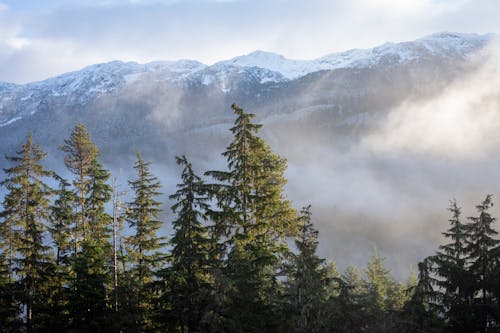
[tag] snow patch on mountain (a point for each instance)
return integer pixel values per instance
(82, 86)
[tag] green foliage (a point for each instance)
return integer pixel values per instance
(26, 209)
(229, 267)
(143, 245)
(308, 279)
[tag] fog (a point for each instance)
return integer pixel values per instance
(389, 187)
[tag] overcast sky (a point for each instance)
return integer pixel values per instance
(39, 39)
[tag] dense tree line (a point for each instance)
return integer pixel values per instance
(240, 258)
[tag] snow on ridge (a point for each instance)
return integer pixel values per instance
(8, 122)
(435, 44)
(265, 66)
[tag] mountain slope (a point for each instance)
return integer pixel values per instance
(317, 113)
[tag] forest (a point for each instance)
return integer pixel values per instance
(241, 258)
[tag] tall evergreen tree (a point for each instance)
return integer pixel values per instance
(379, 288)
(144, 244)
(422, 313)
(62, 230)
(253, 220)
(26, 206)
(454, 282)
(309, 279)
(481, 249)
(189, 275)
(80, 157)
(92, 259)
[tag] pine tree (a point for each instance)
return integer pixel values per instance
(252, 222)
(92, 258)
(62, 230)
(81, 154)
(26, 206)
(421, 313)
(454, 282)
(309, 279)
(189, 274)
(481, 249)
(378, 289)
(144, 244)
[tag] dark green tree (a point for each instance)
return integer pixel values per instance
(91, 282)
(252, 223)
(189, 275)
(422, 312)
(481, 249)
(308, 280)
(62, 231)
(26, 206)
(80, 157)
(454, 283)
(144, 244)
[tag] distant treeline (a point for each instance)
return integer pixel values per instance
(66, 264)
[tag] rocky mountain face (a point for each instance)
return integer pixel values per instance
(311, 110)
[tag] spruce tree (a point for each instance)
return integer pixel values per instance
(309, 279)
(81, 154)
(422, 312)
(481, 249)
(378, 288)
(144, 244)
(189, 274)
(252, 222)
(62, 231)
(92, 258)
(26, 207)
(454, 282)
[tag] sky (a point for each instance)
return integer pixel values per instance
(40, 39)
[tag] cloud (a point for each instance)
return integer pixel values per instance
(212, 30)
(461, 122)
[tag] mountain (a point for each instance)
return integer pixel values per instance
(316, 112)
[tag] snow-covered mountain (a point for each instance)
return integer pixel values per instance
(315, 112)
(80, 87)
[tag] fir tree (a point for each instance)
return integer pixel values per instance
(309, 278)
(26, 206)
(62, 230)
(81, 154)
(421, 313)
(454, 282)
(377, 299)
(91, 261)
(189, 274)
(252, 222)
(144, 245)
(481, 249)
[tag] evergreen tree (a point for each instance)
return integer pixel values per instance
(252, 222)
(189, 274)
(309, 279)
(454, 282)
(421, 313)
(80, 157)
(481, 249)
(378, 300)
(26, 206)
(91, 261)
(144, 244)
(62, 230)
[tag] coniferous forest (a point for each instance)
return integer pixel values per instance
(240, 258)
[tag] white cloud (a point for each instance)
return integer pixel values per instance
(449, 124)
(212, 30)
